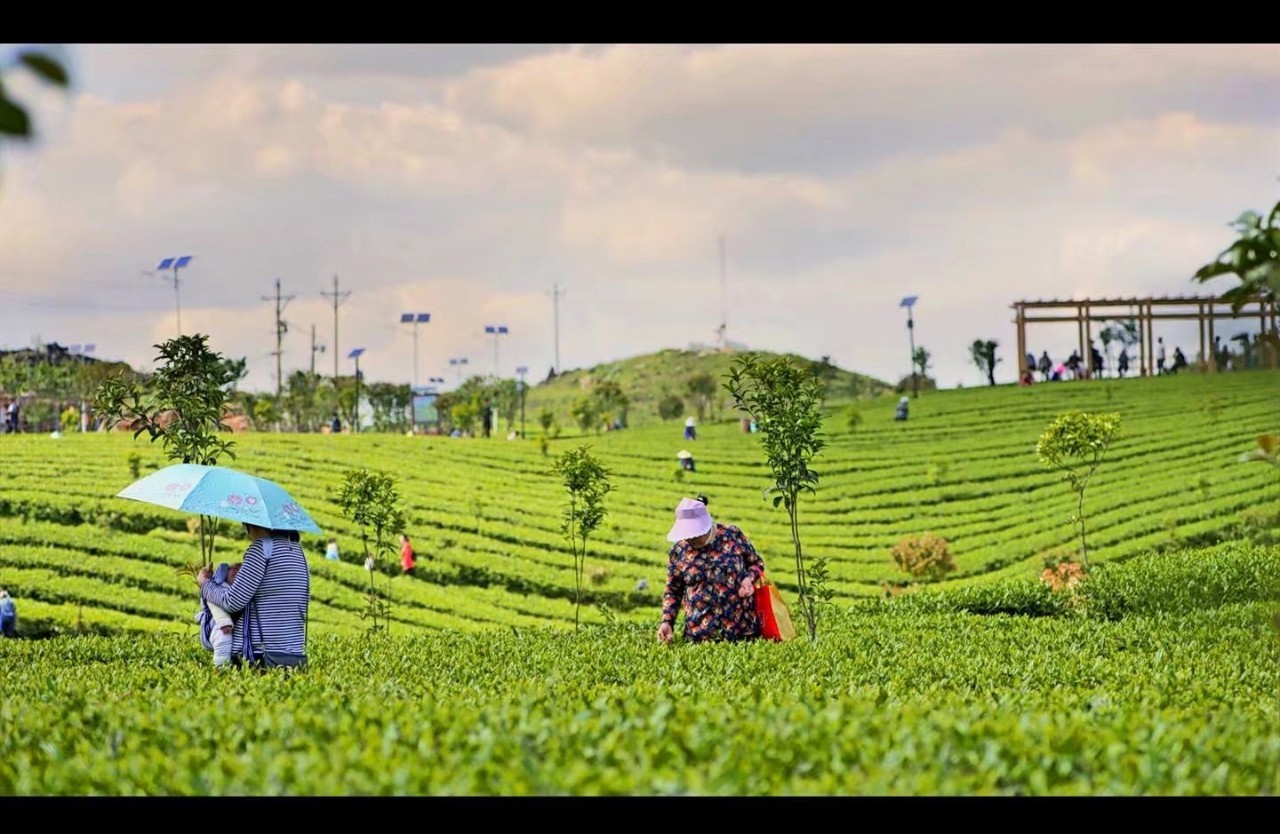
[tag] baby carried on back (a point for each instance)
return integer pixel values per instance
(216, 625)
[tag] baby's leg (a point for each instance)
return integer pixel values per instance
(221, 640)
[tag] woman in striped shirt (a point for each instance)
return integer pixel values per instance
(273, 588)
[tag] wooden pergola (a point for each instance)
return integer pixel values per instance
(1144, 311)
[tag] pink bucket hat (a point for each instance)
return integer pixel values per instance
(692, 521)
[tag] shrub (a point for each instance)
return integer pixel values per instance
(928, 556)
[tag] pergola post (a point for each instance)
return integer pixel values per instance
(1142, 339)
(1088, 341)
(1151, 341)
(1021, 321)
(1213, 362)
(1080, 331)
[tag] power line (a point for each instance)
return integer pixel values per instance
(338, 298)
(281, 329)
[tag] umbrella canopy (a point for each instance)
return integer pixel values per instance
(222, 493)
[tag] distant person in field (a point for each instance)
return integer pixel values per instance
(335, 427)
(1160, 355)
(1027, 378)
(900, 413)
(8, 615)
(331, 551)
(1122, 364)
(1046, 365)
(406, 553)
(685, 457)
(273, 590)
(712, 571)
(219, 624)
(488, 420)
(1179, 359)
(11, 418)
(690, 429)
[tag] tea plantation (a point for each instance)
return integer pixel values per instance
(1159, 675)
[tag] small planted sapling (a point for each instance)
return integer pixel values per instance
(1075, 444)
(586, 482)
(182, 406)
(785, 401)
(371, 501)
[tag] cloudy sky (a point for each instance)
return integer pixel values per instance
(467, 181)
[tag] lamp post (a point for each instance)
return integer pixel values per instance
(495, 330)
(521, 371)
(175, 264)
(909, 302)
(415, 319)
(457, 363)
(355, 423)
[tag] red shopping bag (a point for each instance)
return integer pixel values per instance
(775, 616)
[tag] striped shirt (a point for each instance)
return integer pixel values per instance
(276, 593)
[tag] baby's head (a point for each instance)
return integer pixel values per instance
(231, 572)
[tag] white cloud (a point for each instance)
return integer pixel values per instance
(561, 169)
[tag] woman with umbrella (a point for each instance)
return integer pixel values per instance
(273, 585)
(273, 589)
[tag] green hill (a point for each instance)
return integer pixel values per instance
(647, 379)
(485, 517)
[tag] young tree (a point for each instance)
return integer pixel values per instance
(702, 387)
(1075, 444)
(983, 354)
(670, 407)
(587, 483)
(371, 501)
(1254, 258)
(1108, 335)
(920, 359)
(825, 372)
(584, 413)
(610, 401)
(785, 401)
(182, 406)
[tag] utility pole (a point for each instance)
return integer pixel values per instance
(556, 295)
(522, 370)
(338, 298)
(724, 301)
(315, 348)
(909, 302)
(281, 329)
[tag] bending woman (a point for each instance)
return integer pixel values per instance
(712, 570)
(273, 589)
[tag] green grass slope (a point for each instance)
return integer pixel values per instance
(647, 379)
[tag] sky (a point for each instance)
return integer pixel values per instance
(468, 181)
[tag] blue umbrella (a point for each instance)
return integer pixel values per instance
(222, 493)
